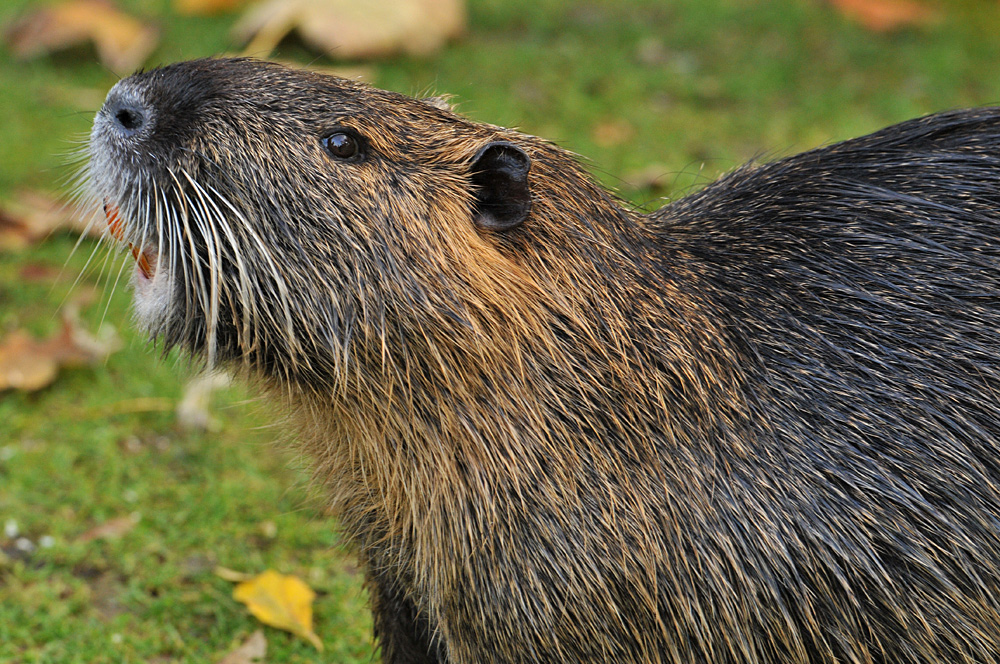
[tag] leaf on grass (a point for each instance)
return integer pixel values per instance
(194, 408)
(885, 15)
(29, 364)
(123, 43)
(205, 7)
(25, 364)
(38, 273)
(231, 574)
(280, 601)
(253, 650)
(111, 529)
(31, 216)
(348, 29)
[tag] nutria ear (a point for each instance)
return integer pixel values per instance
(500, 178)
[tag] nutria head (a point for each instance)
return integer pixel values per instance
(238, 182)
(309, 227)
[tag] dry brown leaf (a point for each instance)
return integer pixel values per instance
(885, 15)
(280, 601)
(206, 7)
(253, 650)
(25, 364)
(38, 273)
(14, 234)
(31, 216)
(111, 529)
(123, 43)
(29, 364)
(347, 29)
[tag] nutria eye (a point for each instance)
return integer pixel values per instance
(344, 145)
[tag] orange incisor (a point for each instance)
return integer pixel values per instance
(115, 226)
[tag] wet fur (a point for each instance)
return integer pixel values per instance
(756, 426)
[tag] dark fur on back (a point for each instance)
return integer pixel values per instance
(757, 426)
(859, 285)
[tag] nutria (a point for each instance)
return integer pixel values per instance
(758, 425)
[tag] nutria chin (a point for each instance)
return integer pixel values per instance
(759, 425)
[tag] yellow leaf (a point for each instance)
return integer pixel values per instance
(280, 601)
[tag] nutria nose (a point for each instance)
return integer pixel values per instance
(130, 119)
(127, 114)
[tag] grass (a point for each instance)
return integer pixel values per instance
(691, 87)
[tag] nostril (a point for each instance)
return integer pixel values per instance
(129, 118)
(126, 113)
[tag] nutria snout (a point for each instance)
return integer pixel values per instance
(756, 426)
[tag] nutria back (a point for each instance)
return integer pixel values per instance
(756, 426)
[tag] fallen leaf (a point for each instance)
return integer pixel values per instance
(123, 43)
(193, 410)
(269, 529)
(111, 529)
(280, 601)
(347, 29)
(205, 7)
(29, 364)
(38, 272)
(885, 15)
(25, 364)
(31, 216)
(231, 574)
(253, 650)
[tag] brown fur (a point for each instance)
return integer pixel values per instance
(597, 436)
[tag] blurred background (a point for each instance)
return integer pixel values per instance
(126, 480)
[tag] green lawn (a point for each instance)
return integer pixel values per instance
(687, 89)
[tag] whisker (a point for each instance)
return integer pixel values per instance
(247, 304)
(282, 295)
(211, 237)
